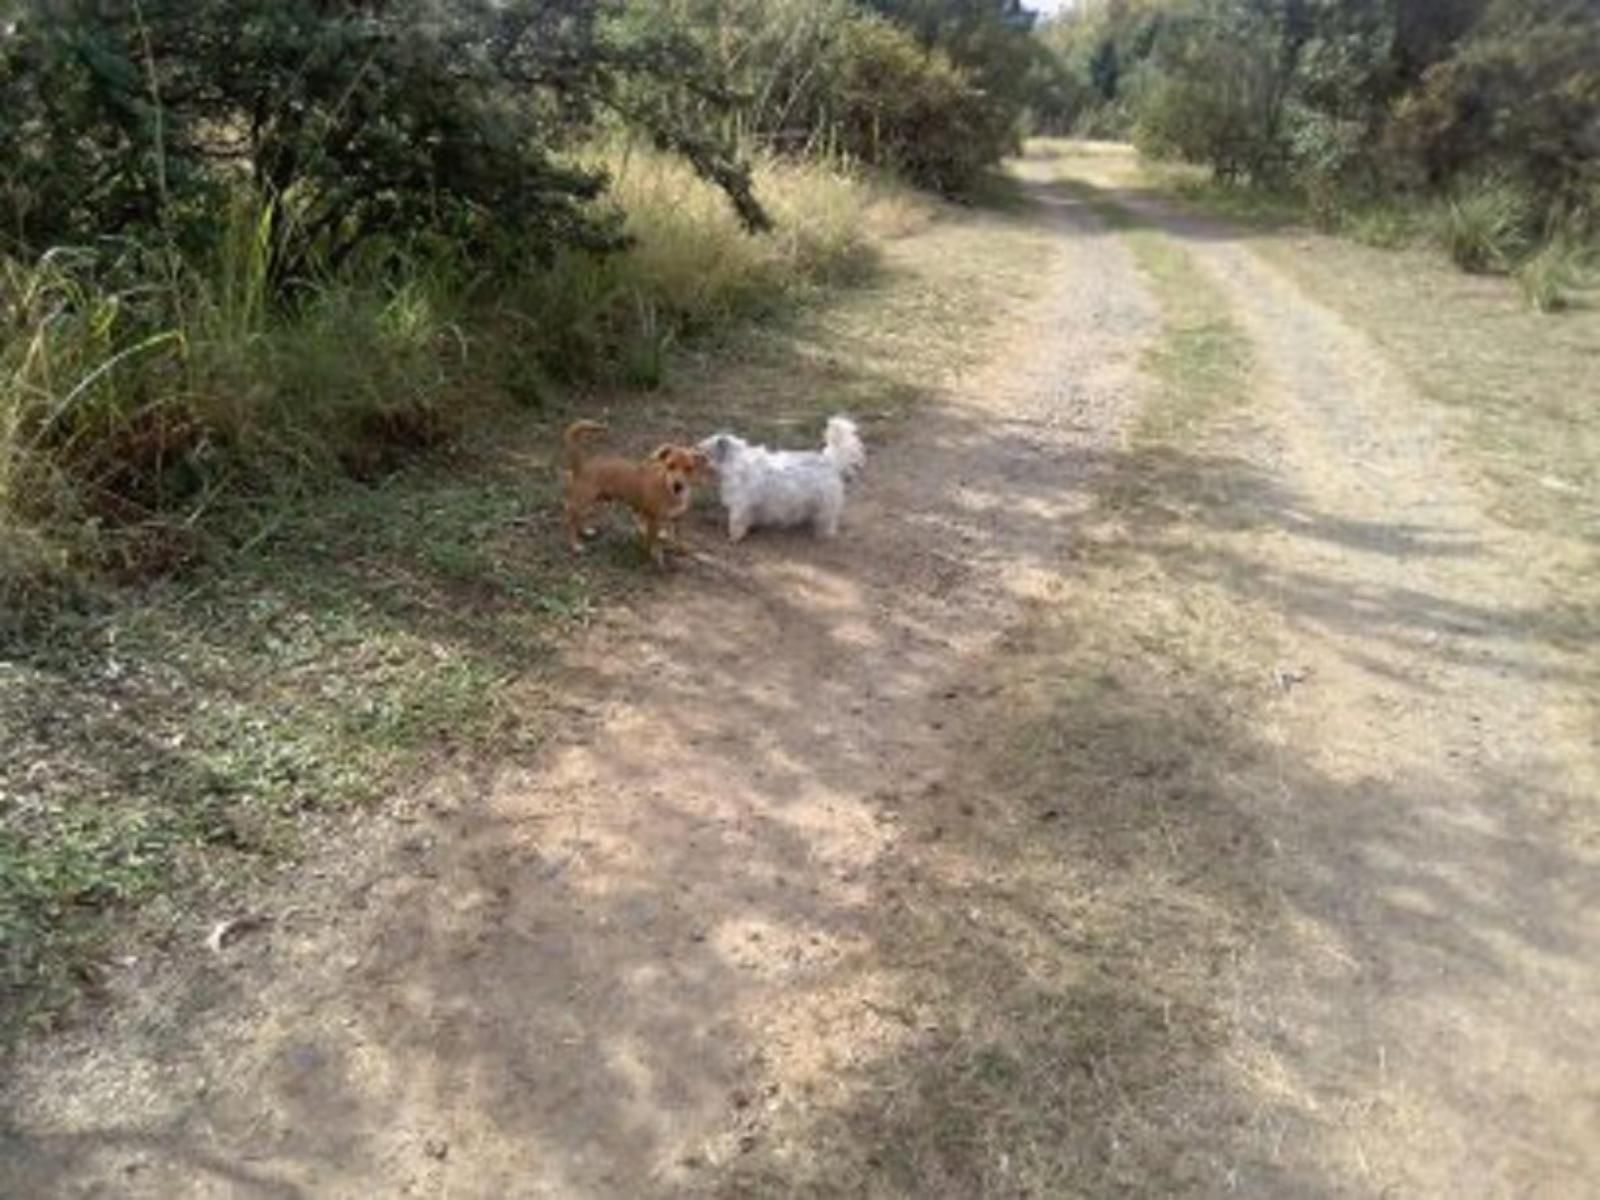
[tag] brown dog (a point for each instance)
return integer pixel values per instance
(657, 489)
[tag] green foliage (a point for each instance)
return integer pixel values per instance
(1353, 101)
(1521, 96)
(987, 39)
(1218, 97)
(407, 118)
(1105, 50)
(1367, 111)
(829, 76)
(913, 110)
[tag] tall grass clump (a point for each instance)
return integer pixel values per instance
(88, 384)
(1487, 225)
(1562, 266)
(142, 392)
(689, 267)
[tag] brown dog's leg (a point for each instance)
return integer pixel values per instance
(650, 529)
(575, 516)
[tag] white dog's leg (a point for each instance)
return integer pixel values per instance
(829, 510)
(738, 524)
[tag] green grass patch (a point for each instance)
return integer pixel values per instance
(1202, 360)
(189, 737)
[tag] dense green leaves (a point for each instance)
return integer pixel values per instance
(1352, 96)
(934, 90)
(391, 118)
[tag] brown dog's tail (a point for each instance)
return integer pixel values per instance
(574, 438)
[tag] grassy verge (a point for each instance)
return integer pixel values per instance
(1047, 966)
(1489, 227)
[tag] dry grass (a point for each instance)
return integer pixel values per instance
(1519, 386)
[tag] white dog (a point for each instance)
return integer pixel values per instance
(785, 487)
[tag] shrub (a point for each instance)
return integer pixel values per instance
(913, 110)
(1520, 95)
(1218, 98)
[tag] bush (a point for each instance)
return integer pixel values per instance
(1217, 98)
(912, 110)
(1520, 96)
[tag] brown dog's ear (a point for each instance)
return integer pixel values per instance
(663, 453)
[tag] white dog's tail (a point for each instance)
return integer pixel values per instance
(843, 446)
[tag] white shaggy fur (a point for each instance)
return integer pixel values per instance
(785, 487)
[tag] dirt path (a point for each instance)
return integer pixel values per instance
(1428, 1016)
(680, 943)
